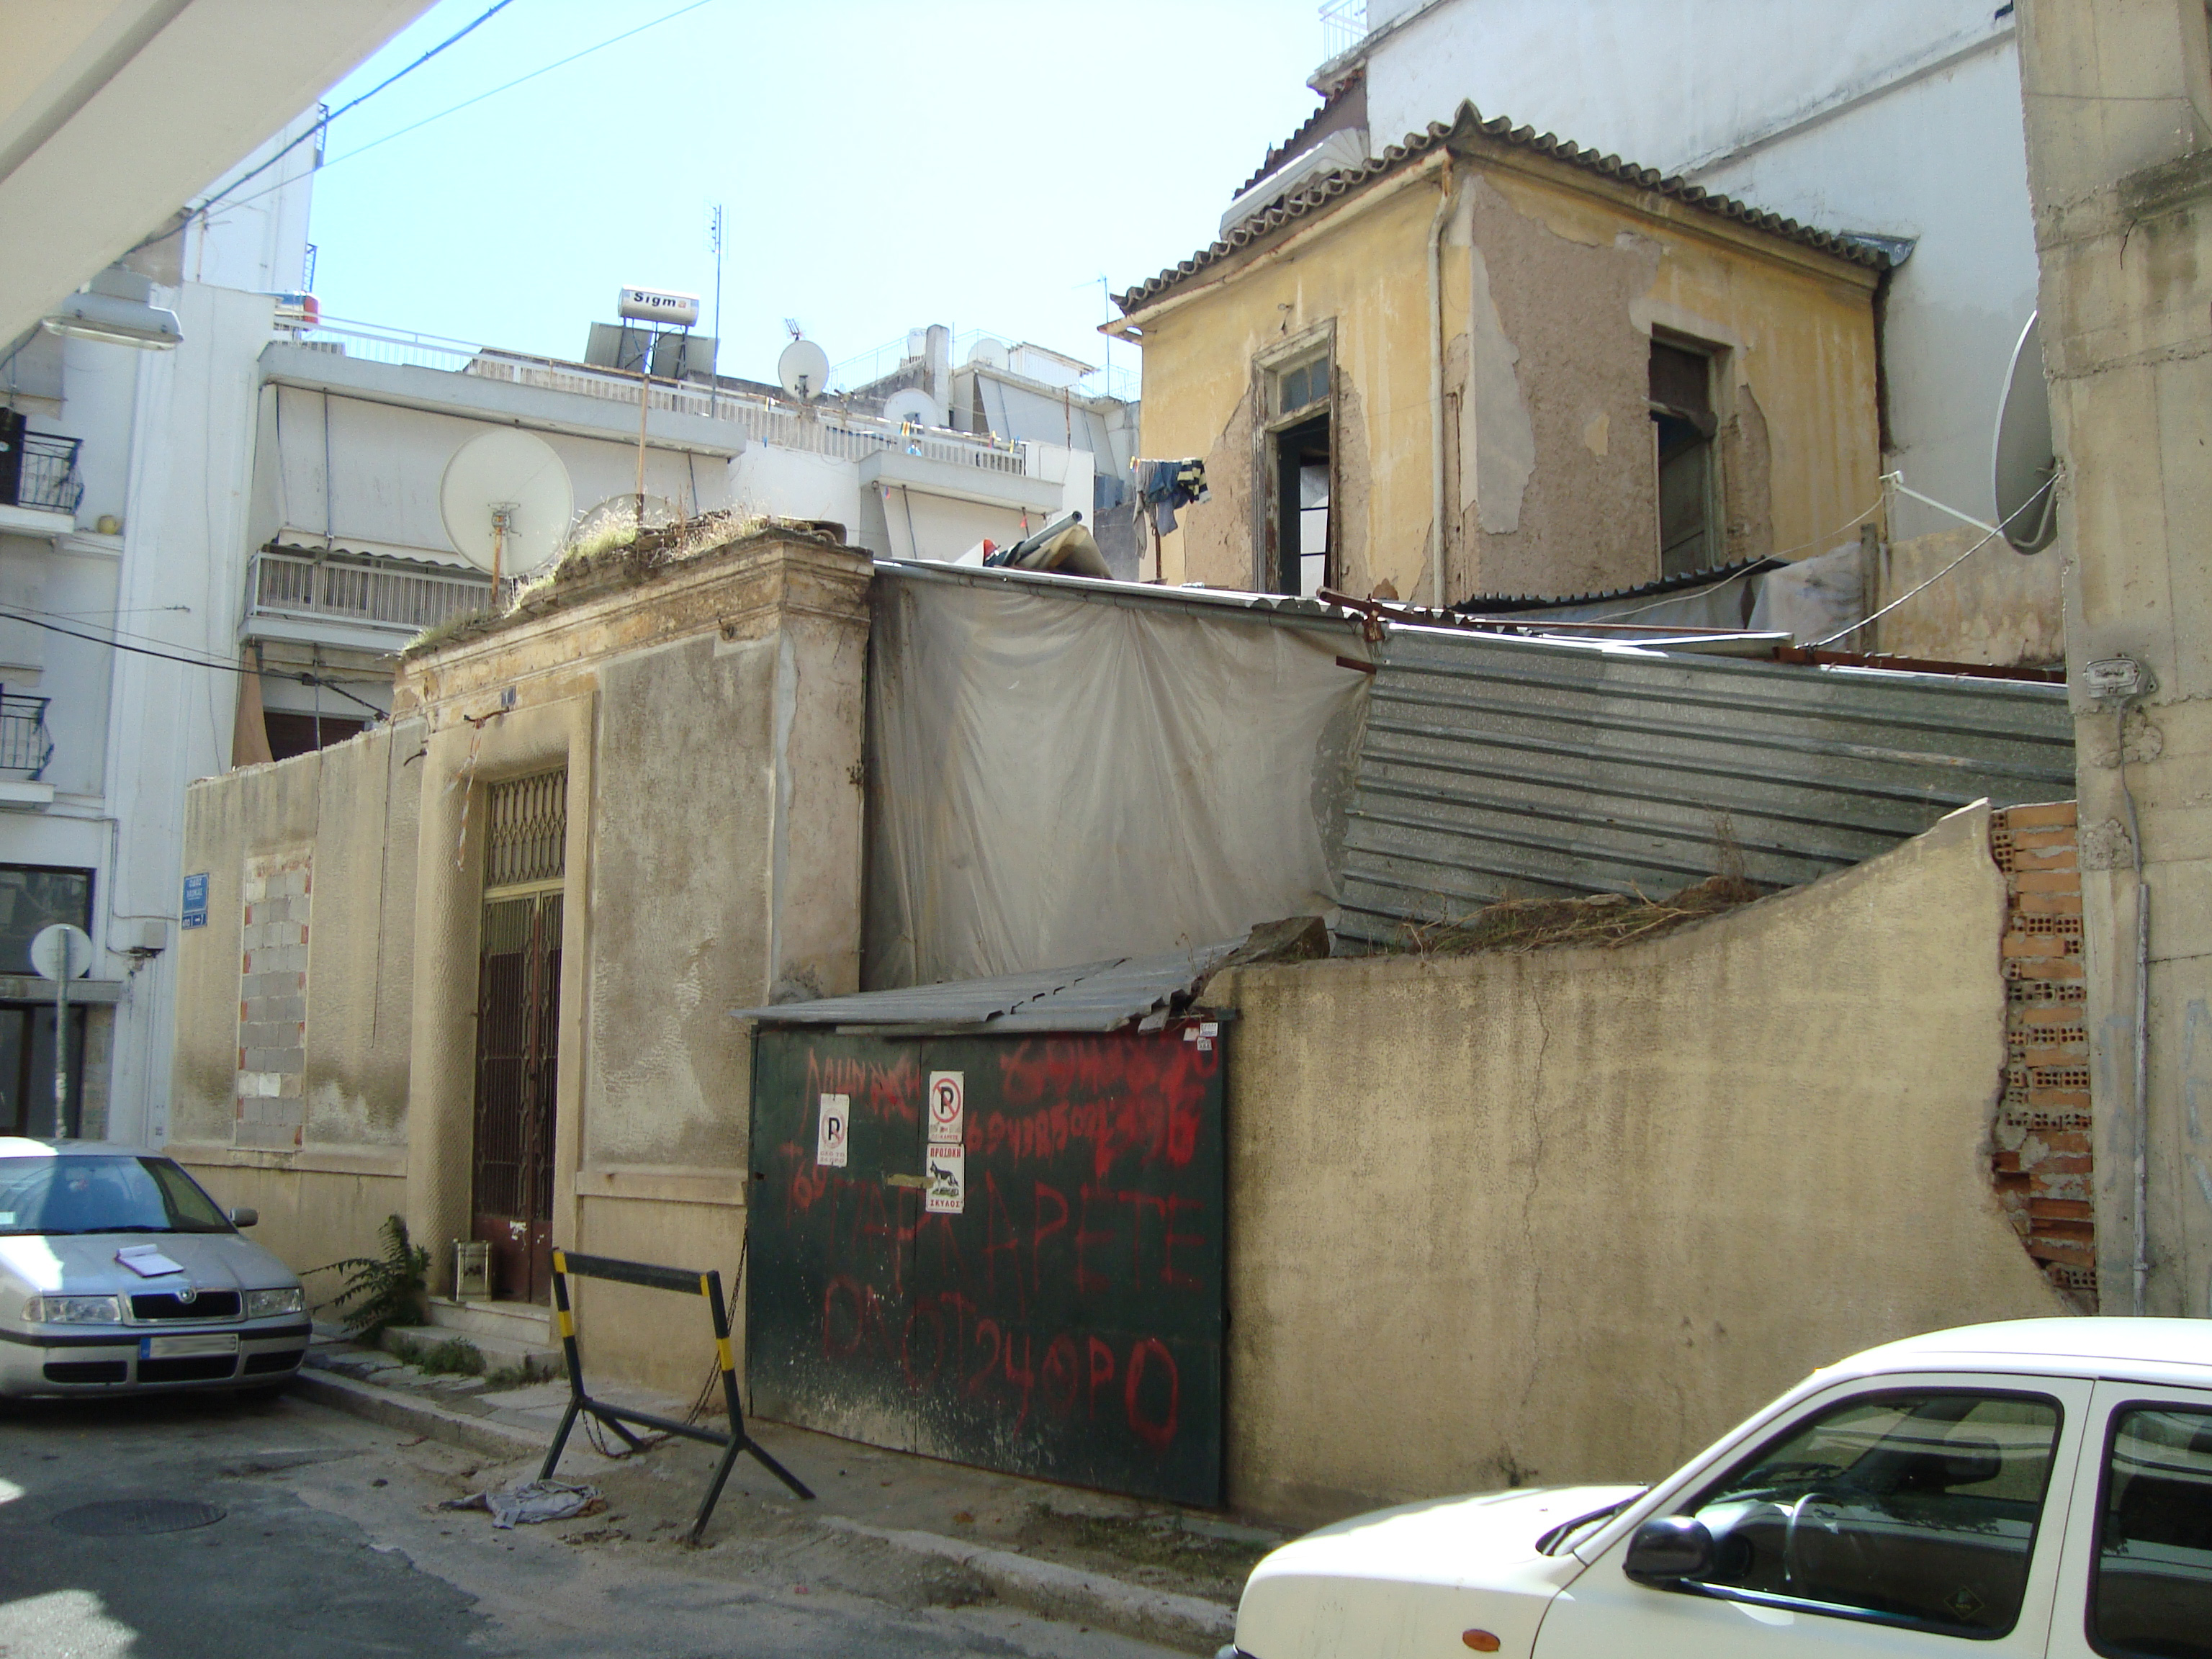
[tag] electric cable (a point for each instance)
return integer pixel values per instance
(322, 123)
(196, 662)
(2033, 499)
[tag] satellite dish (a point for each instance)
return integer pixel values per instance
(2024, 462)
(912, 406)
(990, 353)
(61, 951)
(804, 368)
(506, 501)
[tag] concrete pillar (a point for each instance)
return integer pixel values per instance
(2117, 105)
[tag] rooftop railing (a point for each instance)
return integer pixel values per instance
(360, 591)
(818, 428)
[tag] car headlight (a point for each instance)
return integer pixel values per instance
(260, 1304)
(73, 1310)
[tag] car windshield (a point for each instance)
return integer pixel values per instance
(71, 1193)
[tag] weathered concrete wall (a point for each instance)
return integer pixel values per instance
(352, 809)
(1566, 1216)
(1554, 281)
(2117, 100)
(1997, 607)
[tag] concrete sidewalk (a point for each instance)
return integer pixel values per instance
(1147, 1570)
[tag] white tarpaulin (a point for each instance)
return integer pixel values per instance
(1056, 776)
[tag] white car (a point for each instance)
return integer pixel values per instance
(118, 1273)
(2039, 1487)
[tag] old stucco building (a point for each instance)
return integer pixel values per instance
(1487, 362)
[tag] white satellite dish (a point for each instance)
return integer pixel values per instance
(988, 352)
(804, 368)
(2024, 461)
(506, 501)
(912, 406)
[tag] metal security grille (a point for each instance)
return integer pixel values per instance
(528, 834)
(517, 1031)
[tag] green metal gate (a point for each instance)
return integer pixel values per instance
(1048, 1302)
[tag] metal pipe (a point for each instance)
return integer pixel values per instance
(2140, 1269)
(1445, 187)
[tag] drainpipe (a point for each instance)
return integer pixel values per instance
(1436, 386)
(2141, 1265)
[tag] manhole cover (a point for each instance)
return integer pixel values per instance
(130, 1516)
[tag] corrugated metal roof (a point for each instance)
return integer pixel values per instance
(1495, 767)
(1469, 128)
(1096, 996)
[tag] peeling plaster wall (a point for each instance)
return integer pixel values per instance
(1997, 607)
(355, 805)
(1554, 283)
(1566, 1216)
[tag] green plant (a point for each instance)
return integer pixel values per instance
(456, 1357)
(385, 1289)
(521, 1375)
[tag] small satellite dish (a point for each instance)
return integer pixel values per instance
(506, 501)
(912, 406)
(988, 352)
(49, 945)
(804, 368)
(2024, 462)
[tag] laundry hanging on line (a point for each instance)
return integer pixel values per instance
(1164, 486)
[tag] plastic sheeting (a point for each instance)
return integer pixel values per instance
(1058, 779)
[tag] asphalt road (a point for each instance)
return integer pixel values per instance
(328, 1543)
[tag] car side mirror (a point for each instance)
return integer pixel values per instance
(245, 1216)
(1668, 1549)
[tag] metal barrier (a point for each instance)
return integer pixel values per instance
(709, 1285)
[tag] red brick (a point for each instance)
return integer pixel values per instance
(2060, 1209)
(2048, 878)
(2066, 1255)
(2047, 904)
(2034, 944)
(2018, 818)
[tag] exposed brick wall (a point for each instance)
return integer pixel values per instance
(2041, 1159)
(272, 1000)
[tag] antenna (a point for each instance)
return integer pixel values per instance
(2023, 461)
(804, 368)
(791, 327)
(506, 501)
(714, 371)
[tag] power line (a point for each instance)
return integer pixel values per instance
(324, 121)
(509, 86)
(332, 162)
(195, 662)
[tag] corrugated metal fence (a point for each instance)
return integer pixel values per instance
(1497, 768)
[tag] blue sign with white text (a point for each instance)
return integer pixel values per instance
(196, 900)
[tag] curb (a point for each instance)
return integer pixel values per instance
(1070, 1593)
(417, 1416)
(1043, 1587)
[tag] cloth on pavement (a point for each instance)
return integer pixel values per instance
(529, 1502)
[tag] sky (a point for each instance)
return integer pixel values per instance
(881, 166)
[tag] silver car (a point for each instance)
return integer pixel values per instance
(118, 1274)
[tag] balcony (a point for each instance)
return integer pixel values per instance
(348, 599)
(39, 488)
(25, 745)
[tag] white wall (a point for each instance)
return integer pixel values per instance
(1897, 117)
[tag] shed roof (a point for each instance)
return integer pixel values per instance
(1095, 996)
(1464, 128)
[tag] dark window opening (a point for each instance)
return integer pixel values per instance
(2152, 1595)
(27, 1069)
(302, 734)
(1681, 404)
(32, 897)
(1301, 508)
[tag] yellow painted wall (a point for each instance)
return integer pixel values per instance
(1566, 1216)
(1553, 284)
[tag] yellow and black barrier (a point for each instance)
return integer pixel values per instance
(709, 1285)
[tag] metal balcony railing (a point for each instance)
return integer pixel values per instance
(25, 746)
(383, 594)
(48, 480)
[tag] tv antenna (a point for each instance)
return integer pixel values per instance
(506, 501)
